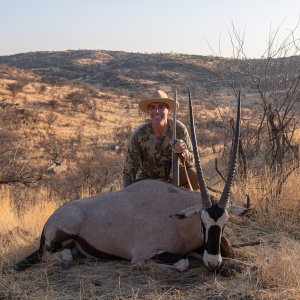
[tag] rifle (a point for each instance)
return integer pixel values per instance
(175, 162)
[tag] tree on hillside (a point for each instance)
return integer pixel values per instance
(16, 167)
(15, 87)
(276, 78)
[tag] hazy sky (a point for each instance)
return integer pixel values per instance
(147, 26)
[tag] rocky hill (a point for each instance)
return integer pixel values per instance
(65, 120)
(85, 88)
(131, 72)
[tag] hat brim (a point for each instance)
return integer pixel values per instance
(144, 103)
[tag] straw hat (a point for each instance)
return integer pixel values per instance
(157, 96)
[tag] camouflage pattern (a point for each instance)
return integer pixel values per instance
(146, 152)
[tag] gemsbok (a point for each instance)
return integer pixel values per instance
(148, 220)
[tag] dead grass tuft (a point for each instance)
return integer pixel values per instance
(280, 267)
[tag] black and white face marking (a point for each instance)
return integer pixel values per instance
(213, 219)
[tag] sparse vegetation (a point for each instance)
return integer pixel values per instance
(268, 270)
(15, 87)
(74, 134)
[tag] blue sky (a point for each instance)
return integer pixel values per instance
(147, 26)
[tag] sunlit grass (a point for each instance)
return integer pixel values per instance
(268, 270)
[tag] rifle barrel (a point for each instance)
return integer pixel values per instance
(175, 161)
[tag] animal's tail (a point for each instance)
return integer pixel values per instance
(31, 259)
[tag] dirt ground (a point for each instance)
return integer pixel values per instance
(240, 278)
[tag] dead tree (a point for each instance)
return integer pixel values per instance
(16, 166)
(275, 78)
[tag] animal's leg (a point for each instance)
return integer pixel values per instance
(58, 247)
(64, 257)
(226, 248)
(198, 253)
(177, 261)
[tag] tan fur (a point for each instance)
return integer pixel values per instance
(133, 223)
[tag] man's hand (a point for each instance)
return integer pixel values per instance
(180, 147)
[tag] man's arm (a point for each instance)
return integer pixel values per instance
(131, 163)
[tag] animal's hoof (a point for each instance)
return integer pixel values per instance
(181, 265)
(65, 264)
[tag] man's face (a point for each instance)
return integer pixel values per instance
(158, 113)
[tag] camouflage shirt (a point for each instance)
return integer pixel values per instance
(146, 152)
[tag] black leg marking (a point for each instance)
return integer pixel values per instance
(167, 258)
(89, 249)
(31, 259)
(57, 243)
(61, 237)
(199, 250)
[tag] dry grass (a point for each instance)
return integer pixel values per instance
(276, 204)
(80, 131)
(281, 267)
(265, 271)
(19, 231)
(65, 110)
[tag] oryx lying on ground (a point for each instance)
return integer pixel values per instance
(135, 223)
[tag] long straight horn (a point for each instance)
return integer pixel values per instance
(204, 194)
(233, 158)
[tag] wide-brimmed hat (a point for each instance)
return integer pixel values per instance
(157, 96)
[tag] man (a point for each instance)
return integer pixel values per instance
(150, 147)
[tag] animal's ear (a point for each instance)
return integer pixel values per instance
(188, 212)
(237, 210)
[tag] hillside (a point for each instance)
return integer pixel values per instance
(68, 116)
(131, 72)
(121, 70)
(103, 87)
(97, 91)
(93, 95)
(136, 73)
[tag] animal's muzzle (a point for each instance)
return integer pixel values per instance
(213, 267)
